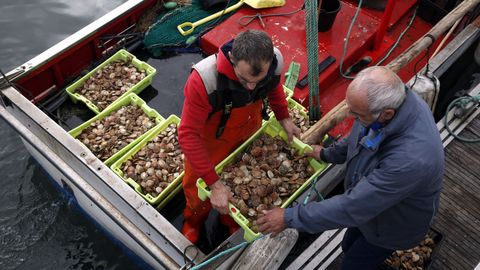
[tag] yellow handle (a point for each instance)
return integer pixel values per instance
(186, 32)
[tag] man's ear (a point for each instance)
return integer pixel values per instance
(388, 114)
(230, 56)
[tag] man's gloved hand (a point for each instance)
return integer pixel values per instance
(290, 128)
(220, 197)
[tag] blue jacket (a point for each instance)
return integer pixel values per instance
(392, 184)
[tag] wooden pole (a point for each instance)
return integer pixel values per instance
(340, 112)
(440, 46)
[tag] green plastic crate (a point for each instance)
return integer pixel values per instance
(169, 196)
(288, 92)
(293, 104)
(120, 55)
(130, 99)
(164, 196)
(288, 97)
(273, 129)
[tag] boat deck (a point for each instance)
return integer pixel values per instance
(458, 218)
(288, 35)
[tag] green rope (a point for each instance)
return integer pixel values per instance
(399, 38)
(311, 28)
(163, 34)
(462, 103)
(345, 44)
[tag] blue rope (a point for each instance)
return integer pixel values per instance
(313, 188)
(235, 248)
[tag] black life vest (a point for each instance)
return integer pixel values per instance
(226, 94)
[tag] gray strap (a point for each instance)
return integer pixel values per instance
(207, 69)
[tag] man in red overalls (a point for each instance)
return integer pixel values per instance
(225, 98)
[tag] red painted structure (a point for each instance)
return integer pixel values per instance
(59, 72)
(288, 34)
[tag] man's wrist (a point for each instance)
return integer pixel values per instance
(321, 155)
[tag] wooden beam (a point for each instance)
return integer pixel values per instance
(340, 112)
(267, 253)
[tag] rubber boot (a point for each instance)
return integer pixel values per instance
(191, 232)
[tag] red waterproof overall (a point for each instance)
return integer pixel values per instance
(242, 123)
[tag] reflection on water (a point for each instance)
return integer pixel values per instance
(28, 27)
(39, 227)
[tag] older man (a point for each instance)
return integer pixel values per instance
(395, 164)
(225, 97)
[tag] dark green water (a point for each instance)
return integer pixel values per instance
(39, 227)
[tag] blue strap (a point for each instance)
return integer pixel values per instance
(235, 248)
(312, 188)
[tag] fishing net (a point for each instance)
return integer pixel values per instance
(163, 34)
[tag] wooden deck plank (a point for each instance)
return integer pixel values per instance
(458, 193)
(461, 239)
(470, 228)
(462, 219)
(459, 215)
(454, 243)
(456, 196)
(461, 177)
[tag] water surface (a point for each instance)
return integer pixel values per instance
(39, 227)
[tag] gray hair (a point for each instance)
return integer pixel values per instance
(385, 90)
(254, 47)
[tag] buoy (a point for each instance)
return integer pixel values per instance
(170, 5)
(427, 86)
(191, 40)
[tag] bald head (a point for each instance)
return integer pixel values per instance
(381, 87)
(374, 90)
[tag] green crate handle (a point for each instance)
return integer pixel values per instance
(205, 193)
(233, 211)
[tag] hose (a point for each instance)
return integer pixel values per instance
(464, 106)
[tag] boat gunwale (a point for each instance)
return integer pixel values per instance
(31, 117)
